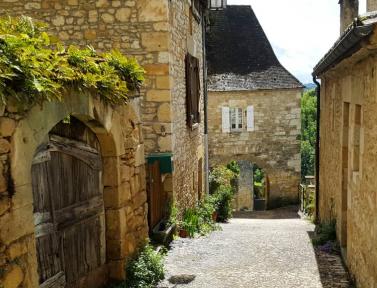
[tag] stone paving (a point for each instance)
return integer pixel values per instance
(269, 249)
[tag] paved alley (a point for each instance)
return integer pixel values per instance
(269, 249)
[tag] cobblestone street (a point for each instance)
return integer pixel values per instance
(269, 249)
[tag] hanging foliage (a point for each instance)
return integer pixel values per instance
(34, 67)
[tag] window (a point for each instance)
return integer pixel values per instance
(356, 138)
(236, 119)
(192, 91)
(233, 119)
(218, 4)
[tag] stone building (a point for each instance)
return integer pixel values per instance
(160, 34)
(165, 123)
(348, 131)
(253, 104)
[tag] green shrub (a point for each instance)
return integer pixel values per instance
(234, 167)
(324, 232)
(190, 221)
(220, 176)
(199, 220)
(224, 197)
(145, 271)
(35, 68)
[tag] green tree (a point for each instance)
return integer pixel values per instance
(308, 132)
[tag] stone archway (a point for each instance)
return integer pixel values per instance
(118, 132)
(68, 209)
(244, 198)
(282, 183)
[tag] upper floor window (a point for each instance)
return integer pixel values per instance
(192, 90)
(236, 119)
(218, 4)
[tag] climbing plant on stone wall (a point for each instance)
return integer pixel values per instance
(35, 67)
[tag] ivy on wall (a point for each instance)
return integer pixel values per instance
(35, 67)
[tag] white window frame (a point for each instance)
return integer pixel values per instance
(236, 113)
(218, 4)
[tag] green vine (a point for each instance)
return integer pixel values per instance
(35, 67)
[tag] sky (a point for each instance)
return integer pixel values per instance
(300, 31)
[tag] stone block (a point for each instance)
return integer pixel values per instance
(163, 82)
(107, 18)
(16, 224)
(116, 197)
(58, 20)
(156, 69)
(155, 41)
(152, 10)
(102, 3)
(161, 26)
(140, 198)
(164, 113)
(14, 277)
(139, 155)
(123, 14)
(111, 171)
(4, 204)
(116, 249)
(7, 126)
(90, 34)
(165, 144)
(115, 224)
(158, 95)
(116, 270)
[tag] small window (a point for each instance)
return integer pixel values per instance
(192, 91)
(218, 4)
(236, 119)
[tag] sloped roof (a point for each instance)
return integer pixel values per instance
(240, 57)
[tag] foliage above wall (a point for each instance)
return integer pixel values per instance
(35, 67)
(308, 132)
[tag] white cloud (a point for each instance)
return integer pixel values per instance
(300, 31)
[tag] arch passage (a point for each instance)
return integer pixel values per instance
(68, 207)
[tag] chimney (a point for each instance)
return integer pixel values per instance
(371, 5)
(349, 10)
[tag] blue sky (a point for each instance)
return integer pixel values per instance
(300, 31)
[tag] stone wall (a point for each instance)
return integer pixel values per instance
(139, 28)
(187, 143)
(274, 145)
(158, 34)
(348, 160)
(244, 195)
(119, 133)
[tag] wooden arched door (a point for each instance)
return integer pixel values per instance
(68, 208)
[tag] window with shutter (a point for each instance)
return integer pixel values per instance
(236, 119)
(226, 119)
(250, 118)
(192, 91)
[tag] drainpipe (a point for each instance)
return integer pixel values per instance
(317, 148)
(205, 98)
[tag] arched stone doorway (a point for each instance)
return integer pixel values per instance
(68, 203)
(124, 197)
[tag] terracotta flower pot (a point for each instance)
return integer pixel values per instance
(183, 233)
(214, 216)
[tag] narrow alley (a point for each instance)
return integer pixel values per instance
(256, 249)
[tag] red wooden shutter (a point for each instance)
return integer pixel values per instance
(192, 90)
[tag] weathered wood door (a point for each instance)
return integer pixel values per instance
(156, 195)
(68, 208)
